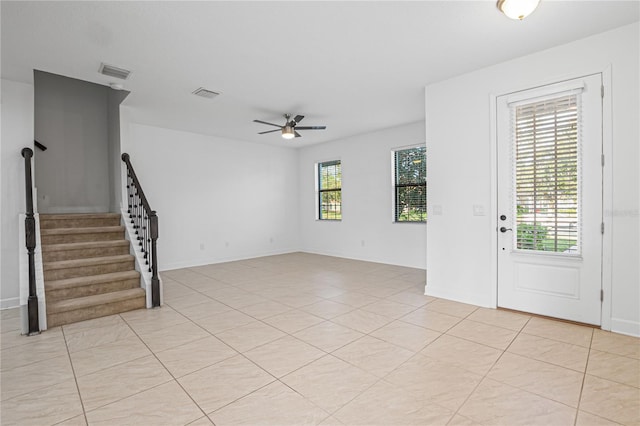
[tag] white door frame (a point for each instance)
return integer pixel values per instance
(607, 186)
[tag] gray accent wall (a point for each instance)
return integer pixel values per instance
(79, 124)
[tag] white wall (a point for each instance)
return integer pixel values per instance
(217, 199)
(17, 133)
(71, 120)
(458, 127)
(367, 197)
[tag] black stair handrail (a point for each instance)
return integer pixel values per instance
(145, 224)
(30, 239)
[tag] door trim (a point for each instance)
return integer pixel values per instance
(607, 187)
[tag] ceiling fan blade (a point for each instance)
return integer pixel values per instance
(298, 118)
(264, 122)
(311, 128)
(269, 131)
(297, 134)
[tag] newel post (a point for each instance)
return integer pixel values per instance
(155, 282)
(30, 239)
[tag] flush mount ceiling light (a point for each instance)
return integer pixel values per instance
(517, 9)
(288, 132)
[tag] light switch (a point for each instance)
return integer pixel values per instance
(437, 210)
(478, 210)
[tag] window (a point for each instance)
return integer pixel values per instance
(546, 153)
(330, 190)
(410, 182)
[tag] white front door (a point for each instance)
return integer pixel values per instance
(550, 200)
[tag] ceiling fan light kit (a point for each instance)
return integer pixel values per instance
(517, 9)
(288, 133)
(289, 129)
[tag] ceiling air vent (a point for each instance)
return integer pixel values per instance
(202, 92)
(112, 71)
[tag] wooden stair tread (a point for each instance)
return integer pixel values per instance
(87, 230)
(78, 263)
(91, 279)
(96, 300)
(59, 216)
(84, 245)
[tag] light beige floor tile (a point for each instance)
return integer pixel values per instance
(450, 307)
(328, 309)
(173, 336)
(354, 299)
(144, 321)
(587, 419)
(284, 355)
(35, 351)
(329, 382)
(120, 381)
(552, 351)
(381, 290)
(249, 336)
(613, 401)
(362, 321)
(326, 291)
(74, 421)
(11, 339)
(173, 290)
(190, 299)
(275, 404)
(218, 323)
(614, 367)
(92, 324)
(406, 335)
(265, 309)
(222, 383)
(166, 404)
(299, 300)
(459, 420)
(239, 301)
(328, 336)
(44, 406)
(293, 321)
(105, 356)
(495, 403)
(496, 337)
(34, 376)
(434, 381)
(203, 421)
(201, 310)
(389, 308)
(614, 343)
(412, 298)
(505, 319)
(192, 356)
(90, 338)
(560, 331)
(431, 319)
(385, 404)
(462, 353)
(331, 421)
(547, 380)
(373, 355)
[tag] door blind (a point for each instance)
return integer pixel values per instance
(547, 175)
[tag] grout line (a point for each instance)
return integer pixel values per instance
(75, 377)
(584, 377)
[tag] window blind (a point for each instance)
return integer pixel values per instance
(547, 169)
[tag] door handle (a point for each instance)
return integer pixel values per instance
(503, 229)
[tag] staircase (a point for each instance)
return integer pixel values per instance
(88, 271)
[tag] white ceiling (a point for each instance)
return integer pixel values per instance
(355, 66)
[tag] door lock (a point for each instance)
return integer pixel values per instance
(503, 229)
(503, 217)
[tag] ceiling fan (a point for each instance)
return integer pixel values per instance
(290, 127)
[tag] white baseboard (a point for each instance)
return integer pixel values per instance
(212, 261)
(456, 295)
(11, 302)
(630, 328)
(362, 258)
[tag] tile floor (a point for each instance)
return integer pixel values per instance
(303, 339)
